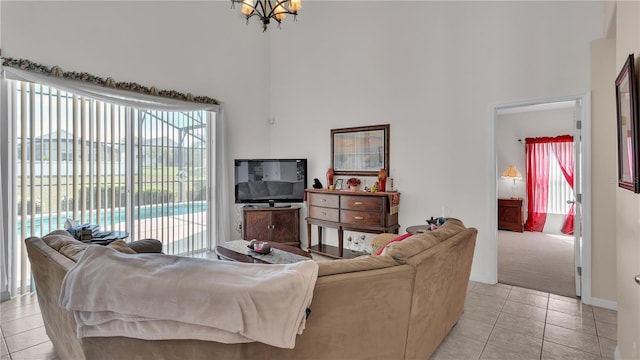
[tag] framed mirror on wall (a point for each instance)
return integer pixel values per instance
(360, 150)
(628, 128)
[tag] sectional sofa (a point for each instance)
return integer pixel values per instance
(399, 305)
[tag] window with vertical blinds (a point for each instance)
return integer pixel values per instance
(117, 166)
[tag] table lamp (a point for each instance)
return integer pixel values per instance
(512, 173)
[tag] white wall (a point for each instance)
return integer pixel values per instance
(431, 70)
(201, 47)
(604, 177)
(628, 204)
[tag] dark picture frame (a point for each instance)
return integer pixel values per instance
(628, 127)
(360, 150)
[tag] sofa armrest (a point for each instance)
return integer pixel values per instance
(380, 240)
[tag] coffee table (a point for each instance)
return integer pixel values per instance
(237, 250)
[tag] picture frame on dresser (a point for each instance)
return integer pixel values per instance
(360, 150)
(628, 127)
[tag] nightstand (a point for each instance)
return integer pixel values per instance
(510, 215)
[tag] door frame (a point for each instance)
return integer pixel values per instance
(585, 261)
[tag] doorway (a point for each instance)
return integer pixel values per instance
(563, 115)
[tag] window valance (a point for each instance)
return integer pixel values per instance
(125, 93)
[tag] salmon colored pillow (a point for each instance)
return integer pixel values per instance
(398, 239)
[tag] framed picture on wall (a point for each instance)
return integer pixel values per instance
(360, 150)
(628, 127)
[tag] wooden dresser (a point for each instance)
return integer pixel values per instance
(348, 210)
(510, 215)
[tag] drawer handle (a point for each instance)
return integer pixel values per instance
(323, 213)
(358, 217)
(358, 203)
(324, 200)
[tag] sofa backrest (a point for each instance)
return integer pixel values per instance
(403, 250)
(441, 281)
(49, 267)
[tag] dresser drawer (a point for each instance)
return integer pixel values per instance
(363, 203)
(324, 200)
(361, 218)
(323, 213)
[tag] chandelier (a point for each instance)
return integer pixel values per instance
(269, 9)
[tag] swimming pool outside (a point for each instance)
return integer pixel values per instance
(45, 223)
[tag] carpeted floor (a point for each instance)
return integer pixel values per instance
(537, 261)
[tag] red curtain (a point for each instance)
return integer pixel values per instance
(563, 149)
(537, 183)
(538, 151)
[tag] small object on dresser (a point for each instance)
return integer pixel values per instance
(382, 180)
(353, 183)
(317, 184)
(330, 174)
(389, 185)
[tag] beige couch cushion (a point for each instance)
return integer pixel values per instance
(417, 243)
(146, 246)
(65, 244)
(57, 238)
(121, 246)
(361, 263)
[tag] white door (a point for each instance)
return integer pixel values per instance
(577, 190)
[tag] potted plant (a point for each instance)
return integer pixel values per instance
(353, 183)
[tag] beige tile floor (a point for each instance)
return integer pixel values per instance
(500, 322)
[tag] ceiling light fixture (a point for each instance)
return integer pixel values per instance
(269, 9)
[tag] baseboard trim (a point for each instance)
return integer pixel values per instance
(607, 304)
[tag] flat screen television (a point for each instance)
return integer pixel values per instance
(270, 181)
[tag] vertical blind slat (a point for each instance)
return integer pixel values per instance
(23, 177)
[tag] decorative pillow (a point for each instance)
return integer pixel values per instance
(398, 239)
(121, 246)
(146, 246)
(73, 249)
(58, 238)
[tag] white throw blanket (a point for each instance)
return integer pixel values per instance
(156, 296)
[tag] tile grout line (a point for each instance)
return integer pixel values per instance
(495, 323)
(544, 328)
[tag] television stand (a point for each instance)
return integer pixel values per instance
(272, 224)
